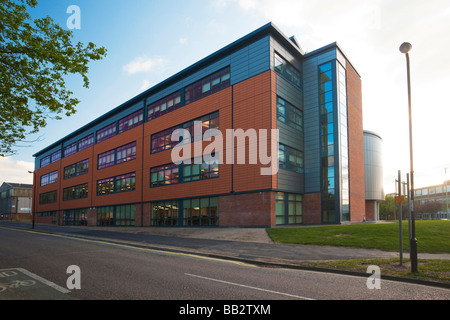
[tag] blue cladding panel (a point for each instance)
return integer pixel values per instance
(312, 118)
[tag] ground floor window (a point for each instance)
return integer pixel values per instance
(187, 212)
(289, 209)
(165, 213)
(75, 217)
(105, 216)
(125, 215)
(201, 212)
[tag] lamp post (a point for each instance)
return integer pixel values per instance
(405, 48)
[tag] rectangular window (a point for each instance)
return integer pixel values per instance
(165, 213)
(105, 186)
(194, 171)
(106, 159)
(126, 182)
(86, 142)
(289, 114)
(131, 121)
(76, 169)
(163, 140)
(290, 159)
(106, 133)
(201, 212)
(75, 192)
(49, 178)
(125, 215)
(56, 156)
(45, 161)
(77, 217)
(289, 208)
(287, 70)
(48, 197)
(105, 216)
(126, 153)
(122, 183)
(164, 175)
(163, 106)
(119, 155)
(71, 149)
(208, 85)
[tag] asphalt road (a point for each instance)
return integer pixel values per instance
(120, 271)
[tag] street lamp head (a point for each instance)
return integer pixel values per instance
(405, 47)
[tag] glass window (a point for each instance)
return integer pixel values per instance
(133, 120)
(45, 161)
(164, 175)
(201, 211)
(76, 169)
(71, 149)
(56, 156)
(75, 192)
(48, 197)
(49, 178)
(289, 114)
(163, 140)
(105, 216)
(290, 158)
(210, 84)
(165, 213)
(106, 133)
(122, 183)
(287, 70)
(86, 142)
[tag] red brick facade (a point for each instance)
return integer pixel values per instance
(355, 145)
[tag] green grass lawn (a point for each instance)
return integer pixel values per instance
(433, 236)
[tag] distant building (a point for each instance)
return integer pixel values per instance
(15, 201)
(431, 202)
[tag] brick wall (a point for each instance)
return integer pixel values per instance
(356, 145)
(247, 209)
(312, 209)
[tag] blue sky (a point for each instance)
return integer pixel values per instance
(148, 41)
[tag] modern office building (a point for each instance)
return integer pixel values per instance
(119, 169)
(15, 201)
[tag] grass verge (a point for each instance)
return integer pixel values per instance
(432, 237)
(435, 270)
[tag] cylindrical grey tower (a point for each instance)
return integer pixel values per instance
(373, 166)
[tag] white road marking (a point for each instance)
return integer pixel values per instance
(44, 281)
(249, 287)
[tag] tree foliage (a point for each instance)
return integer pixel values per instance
(387, 207)
(35, 56)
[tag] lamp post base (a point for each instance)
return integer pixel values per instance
(413, 254)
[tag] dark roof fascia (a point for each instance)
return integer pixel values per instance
(328, 47)
(267, 29)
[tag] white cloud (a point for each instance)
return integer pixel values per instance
(183, 41)
(145, 84)
(15, 170)
(144, 64)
